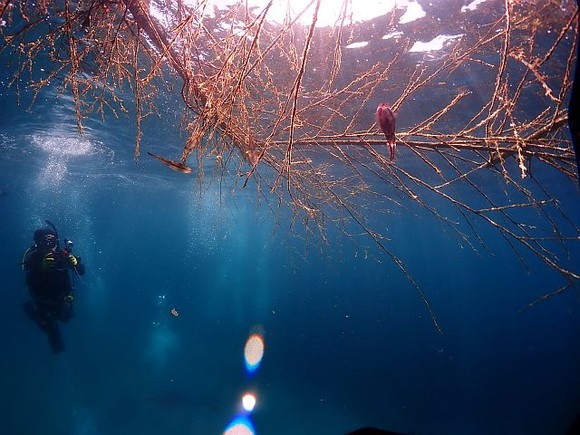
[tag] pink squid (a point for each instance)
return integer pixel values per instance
(386, 119)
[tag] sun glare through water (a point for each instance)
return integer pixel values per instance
(253, 352)
(240, 426)
(334, 13)
(329, 12)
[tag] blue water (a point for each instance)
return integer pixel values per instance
(348, 341)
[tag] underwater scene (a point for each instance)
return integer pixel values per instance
(289, 217)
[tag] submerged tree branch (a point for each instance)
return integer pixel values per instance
(481, 121)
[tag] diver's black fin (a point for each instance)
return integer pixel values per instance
(373, 431)
(50, 326)
(29, 310)
(55, 340)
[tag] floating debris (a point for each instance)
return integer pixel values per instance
(176, 166)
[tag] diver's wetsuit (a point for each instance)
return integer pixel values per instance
(51, 291)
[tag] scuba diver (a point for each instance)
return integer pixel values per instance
(48, 269)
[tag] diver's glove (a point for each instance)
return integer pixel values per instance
(73, 260)
(48, 261)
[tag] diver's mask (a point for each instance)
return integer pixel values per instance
(49, 241)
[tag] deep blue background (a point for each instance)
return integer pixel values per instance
(348, 341)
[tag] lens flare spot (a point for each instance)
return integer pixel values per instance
(249, 402)
(253, 352)
(240, 426)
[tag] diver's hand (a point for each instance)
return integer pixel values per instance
(48, 261)
(73, 260)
